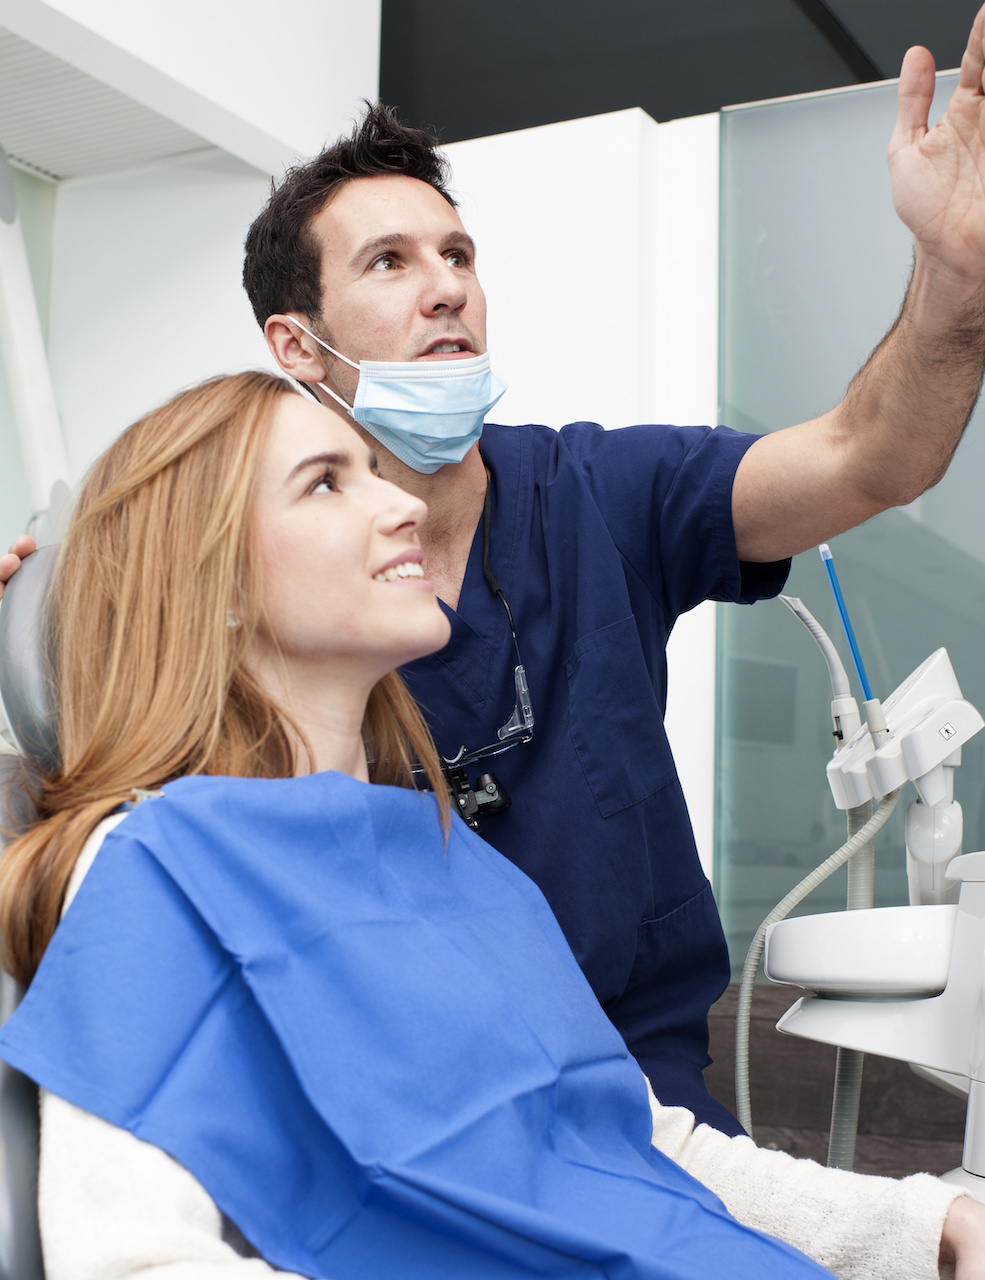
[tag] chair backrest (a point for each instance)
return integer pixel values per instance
(20, 1245)
(25, 688)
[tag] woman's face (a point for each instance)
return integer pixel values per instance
(343, 588)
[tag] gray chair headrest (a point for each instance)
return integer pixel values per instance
(20, 1244)
(25, 669)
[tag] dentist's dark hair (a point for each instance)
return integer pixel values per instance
(282, 268)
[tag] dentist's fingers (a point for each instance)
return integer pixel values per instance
(11, 562)
(916, 92)
(973, 59)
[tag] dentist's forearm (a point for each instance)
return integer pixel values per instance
(892, 436)
(906, 411)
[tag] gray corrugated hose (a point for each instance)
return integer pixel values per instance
(796, 895)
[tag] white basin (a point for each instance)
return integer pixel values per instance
(890, 952)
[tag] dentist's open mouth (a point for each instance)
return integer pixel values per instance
(449, 347)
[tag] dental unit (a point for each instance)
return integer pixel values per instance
(903, 982)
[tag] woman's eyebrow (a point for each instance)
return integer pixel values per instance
(337, 458)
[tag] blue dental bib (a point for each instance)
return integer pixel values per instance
(375, 1052)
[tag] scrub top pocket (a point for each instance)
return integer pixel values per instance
(616, 724)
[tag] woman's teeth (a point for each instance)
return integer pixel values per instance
(409, 569)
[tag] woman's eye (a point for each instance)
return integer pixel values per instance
(325, 485)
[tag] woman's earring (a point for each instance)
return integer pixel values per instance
(232, 618)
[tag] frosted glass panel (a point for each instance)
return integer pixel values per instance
(814, 264)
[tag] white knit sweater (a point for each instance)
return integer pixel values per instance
(115, 1208)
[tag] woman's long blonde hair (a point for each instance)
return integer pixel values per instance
(151, 679)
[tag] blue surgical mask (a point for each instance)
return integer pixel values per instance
(426, 412)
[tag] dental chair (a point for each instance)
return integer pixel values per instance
(26, 696)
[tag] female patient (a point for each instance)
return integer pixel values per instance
(297, 1018)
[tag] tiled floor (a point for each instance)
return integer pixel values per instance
(905, 1124)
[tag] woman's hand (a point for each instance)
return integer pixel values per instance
(963, 1239)
(11, 562)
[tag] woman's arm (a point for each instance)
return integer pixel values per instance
(963, 1240)
(112, 1207)
(860, 1227)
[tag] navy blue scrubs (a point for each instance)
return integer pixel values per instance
(600, 541)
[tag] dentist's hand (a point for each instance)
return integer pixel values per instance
(963, 1239)
(11, 562)
(938, 173)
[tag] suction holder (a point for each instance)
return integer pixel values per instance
(928, 722)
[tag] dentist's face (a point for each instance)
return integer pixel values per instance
(398, 277)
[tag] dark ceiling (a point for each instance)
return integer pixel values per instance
(476, 69)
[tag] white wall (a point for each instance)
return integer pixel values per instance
(146, 294)
(559, 259)
(602, 296)
(598, 251)
(264, 82)
(679, 383)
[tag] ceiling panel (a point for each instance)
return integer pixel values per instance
(509, 64)
(62, 123)
(887, 28)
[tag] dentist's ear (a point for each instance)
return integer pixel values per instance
(296, 354)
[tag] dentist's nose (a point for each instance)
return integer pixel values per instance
(445, 289)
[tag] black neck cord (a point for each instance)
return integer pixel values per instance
(487, 572)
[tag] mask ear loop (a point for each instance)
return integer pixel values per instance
(338, 399)
(328, 390)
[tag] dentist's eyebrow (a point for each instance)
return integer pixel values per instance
(337, 459)
(394, 240)
(398, 240)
